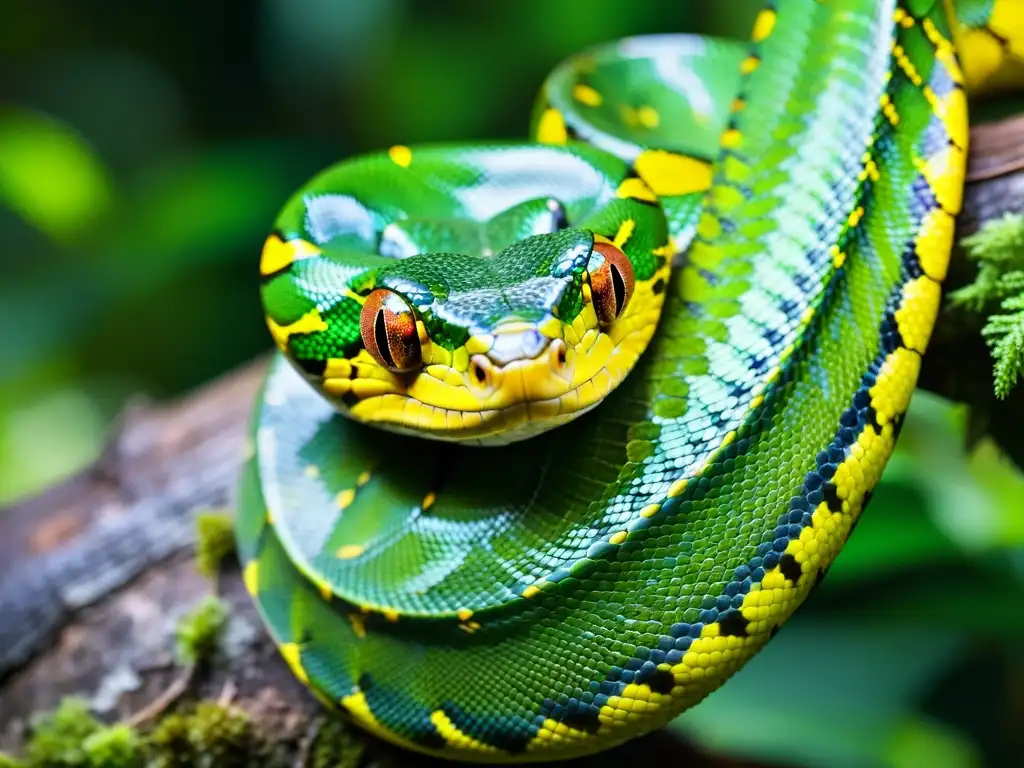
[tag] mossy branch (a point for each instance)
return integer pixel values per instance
(206, 735)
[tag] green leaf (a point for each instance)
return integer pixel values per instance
(49, 175)
(897, 531)
(920, 741)
(978, 594)
(200, 207)
(974, 496)
(46, 433)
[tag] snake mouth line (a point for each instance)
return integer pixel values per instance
(499, 427)
(523, 417)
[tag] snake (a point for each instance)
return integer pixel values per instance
(560, 431)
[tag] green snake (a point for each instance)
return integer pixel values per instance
(562, 432)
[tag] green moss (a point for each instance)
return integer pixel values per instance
(215, 541)
(115, 747)
(198, 632)
(998, 292)
(168, 745)
(57, 737)
(207, 736)
(211, 736)
(224, 736)
(71, 736)
(337, 746)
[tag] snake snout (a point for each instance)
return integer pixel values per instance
(517, 345)
(522, 365)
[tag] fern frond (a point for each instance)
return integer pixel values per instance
(998, 240)
(1005, 337)
(998, 249)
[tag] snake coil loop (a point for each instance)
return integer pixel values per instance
(600, 567)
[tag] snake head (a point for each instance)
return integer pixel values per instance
(462, 330)
(491, 349)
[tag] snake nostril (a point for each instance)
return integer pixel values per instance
(558, 354)
(479, 369)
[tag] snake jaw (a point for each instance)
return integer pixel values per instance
(509, 381)
(519, 381)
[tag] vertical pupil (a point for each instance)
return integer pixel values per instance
(380, 336)
(619, 288)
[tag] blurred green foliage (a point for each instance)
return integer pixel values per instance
(144, 151)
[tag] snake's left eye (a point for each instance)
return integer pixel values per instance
(388, 327)
(611, 281)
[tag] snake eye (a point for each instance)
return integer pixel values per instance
(611, 281)
(388, 328)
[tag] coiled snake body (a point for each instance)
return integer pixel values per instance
(497, 509)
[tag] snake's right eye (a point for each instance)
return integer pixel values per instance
(388, 327)
(611, 280)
